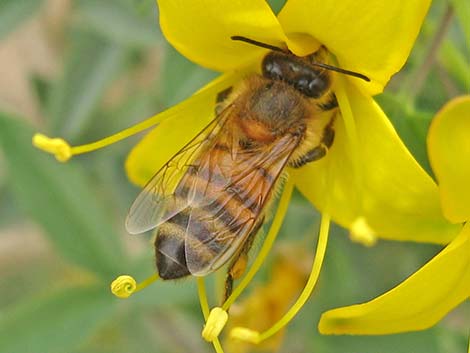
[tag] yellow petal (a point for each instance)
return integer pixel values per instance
(181, 123)
(201, 30)
(417, 303)
(392, 193)
(449, 153)
(370, 37)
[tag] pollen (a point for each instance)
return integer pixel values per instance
(215, 324)
(362, 233)
(56, 146)
(123, 286)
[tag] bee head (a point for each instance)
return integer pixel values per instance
(304, 73)
(296, 71)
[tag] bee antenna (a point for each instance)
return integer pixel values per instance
(343, 71)
(256, 43)
(324, 66)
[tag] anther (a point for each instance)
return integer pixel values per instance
(56, 146)
(123, 286)
(215, 324)
(245, 334)
(362, 233)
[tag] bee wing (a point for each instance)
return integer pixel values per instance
(222, 221)
(157, 202)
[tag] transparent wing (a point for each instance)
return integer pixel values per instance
(157, 201)
(224, 216)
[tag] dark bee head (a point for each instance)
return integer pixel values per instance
(296, 71)
(305, 74)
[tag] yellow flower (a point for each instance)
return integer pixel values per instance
(444, 282)
(368, 173)
(368, 182)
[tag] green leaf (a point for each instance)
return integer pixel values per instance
(412, 126)
(119, 23)
(456, 63)
(41, 88)
(276, 5)
(57, 322)
(60, 199)
(90, 67)
(14, 12)
(462, 12)
(9, 213)
(180, 77)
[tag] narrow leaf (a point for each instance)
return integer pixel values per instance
(14, 12)
(91, 65)
(57, 322)
(118, 23)
(60, 199)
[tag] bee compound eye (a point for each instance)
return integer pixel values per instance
(302, 84)
(317, 86)
(272, 70)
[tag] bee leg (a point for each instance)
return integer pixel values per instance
(312, 155)
(330, 104)
(235, 271)
(238, 266)
(221, 97)
(319, 151)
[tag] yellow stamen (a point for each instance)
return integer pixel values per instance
(352, 136)
(63, 151)
(215, 324)
(362, 233)
(56, 146)
(201, 289)
(268, 242)
(255, 337)
(124, 286)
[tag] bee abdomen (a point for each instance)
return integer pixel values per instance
(178, 233)
(170, 253)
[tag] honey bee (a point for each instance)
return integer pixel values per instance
(209, 201)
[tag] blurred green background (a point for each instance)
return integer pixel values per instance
(85, 69)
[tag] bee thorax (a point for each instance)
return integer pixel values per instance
(271, 110)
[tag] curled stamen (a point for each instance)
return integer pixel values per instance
(56, 146)
(124, 286)
(215, 324)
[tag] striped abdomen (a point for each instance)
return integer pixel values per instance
(225, 194)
